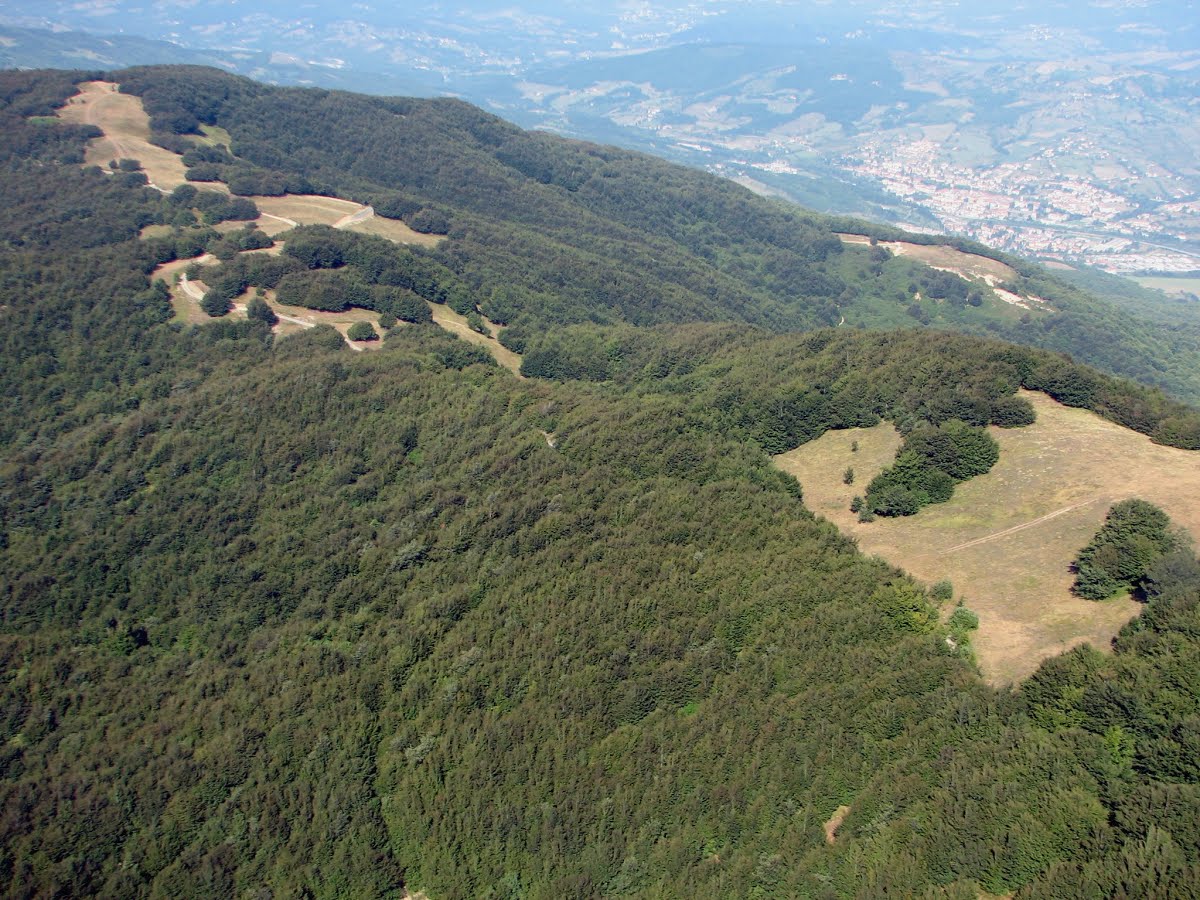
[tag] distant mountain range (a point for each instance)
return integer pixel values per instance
(1063, 136)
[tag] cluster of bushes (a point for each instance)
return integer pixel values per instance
(399, 278)
(1134, 536)
(231, 279)
(932, 459)
(418, 215)
(326, 290)
(213, 206)
(326, 269)
(249, 237)
(938, 285)
(216, 163)
(362, 331)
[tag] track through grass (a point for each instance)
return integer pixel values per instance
(1006, 539)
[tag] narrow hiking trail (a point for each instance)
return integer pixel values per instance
(1014, 529)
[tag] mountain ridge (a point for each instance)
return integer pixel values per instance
(484, 169)
(280, 618)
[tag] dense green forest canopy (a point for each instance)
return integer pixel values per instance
(1135, 539)
(281, 619)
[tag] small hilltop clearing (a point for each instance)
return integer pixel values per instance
(1006, 539)
(126, 135)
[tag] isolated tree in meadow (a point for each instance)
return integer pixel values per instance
(258, 310)
(362, 331)
(475, 323)
(215, 303)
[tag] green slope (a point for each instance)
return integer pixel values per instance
(280, 618)
(646, 241)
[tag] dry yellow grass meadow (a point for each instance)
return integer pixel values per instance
(396, 231)
(1006, 539)
(968, 265)
(126, 130)
(457, 325)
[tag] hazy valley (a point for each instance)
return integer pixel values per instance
(1057, 138)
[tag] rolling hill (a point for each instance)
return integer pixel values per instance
(282, 619)
(650, 242)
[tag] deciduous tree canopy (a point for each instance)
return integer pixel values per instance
(278, 617)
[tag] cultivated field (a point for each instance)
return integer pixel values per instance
(1006, 539)
(1171, 285)
(126, 130)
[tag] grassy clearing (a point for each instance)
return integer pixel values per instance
(456, 324)
(155, 231)
(1006, 539)
(126, 130)
(186, 307)
(396, 231)
(212, 136)
(298, 318)
(307, 209)
(968, 265)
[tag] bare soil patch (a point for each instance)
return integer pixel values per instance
(834, 823)
(126, 129)
(1006, 540)
(456, 324)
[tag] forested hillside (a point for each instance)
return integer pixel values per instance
(645, 241)
(280, 619)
